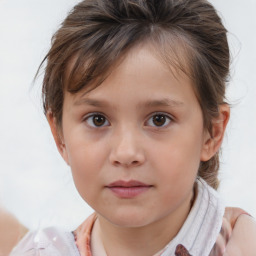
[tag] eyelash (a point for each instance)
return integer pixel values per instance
(89, 118)
(166, 116)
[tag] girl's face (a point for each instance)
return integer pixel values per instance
(134, 143)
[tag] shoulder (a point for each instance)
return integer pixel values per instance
(243, 237)
(11, 231)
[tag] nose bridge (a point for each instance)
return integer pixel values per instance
(127, 148)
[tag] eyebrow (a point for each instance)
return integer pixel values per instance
(165, 102)
(91, 102)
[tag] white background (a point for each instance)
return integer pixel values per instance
(35, 184)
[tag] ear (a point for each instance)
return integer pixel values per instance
(57, 135)
(213, 141)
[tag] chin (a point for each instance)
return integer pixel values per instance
(129, 219)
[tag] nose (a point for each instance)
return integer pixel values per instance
(127, 150)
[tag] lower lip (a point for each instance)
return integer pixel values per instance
(129, 192)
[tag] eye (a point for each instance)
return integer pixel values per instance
(159, 120)
(97, 120)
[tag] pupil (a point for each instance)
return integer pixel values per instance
(98, 120)
(159, 120)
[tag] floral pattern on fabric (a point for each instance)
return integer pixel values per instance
(181, 251)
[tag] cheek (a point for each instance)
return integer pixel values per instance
(180, 156)
(176, 174)
(86, 161)
(177, 161)
(85, 153)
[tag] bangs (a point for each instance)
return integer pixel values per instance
(92, 64)
(96, 56)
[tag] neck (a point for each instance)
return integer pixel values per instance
(145, 240)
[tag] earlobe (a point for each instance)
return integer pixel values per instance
(58, 138)
(213, 141)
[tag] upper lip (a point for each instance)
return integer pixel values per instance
(128, 184)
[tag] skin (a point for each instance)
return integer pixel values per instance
(242, 241)
(129, 145)
(11, 231)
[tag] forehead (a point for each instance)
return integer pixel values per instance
(86, 73)
(140, 79)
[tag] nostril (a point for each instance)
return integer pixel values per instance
(126, 157)
(127, 164)
(133, 163)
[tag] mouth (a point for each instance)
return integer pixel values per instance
(128, 189)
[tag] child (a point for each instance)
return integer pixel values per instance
(134, 92)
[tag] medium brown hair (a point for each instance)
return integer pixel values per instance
(188, 34)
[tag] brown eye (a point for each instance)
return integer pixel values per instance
(159, 120)
(97, 120)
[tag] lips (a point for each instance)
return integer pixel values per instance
(131, 183)
(128, 189)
